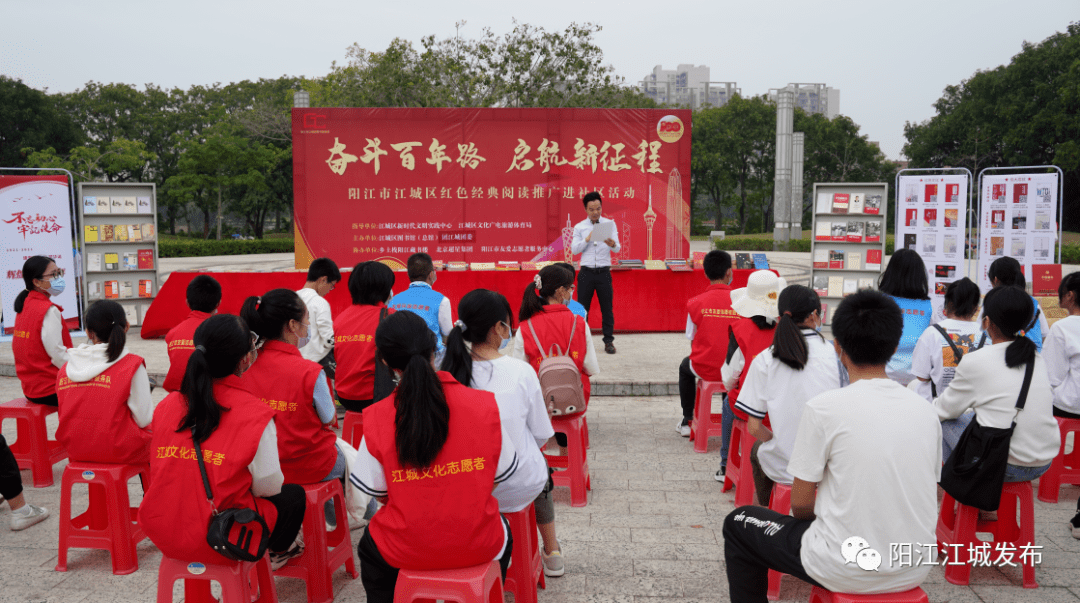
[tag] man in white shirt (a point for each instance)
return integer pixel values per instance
(866, 463)
(595, 274)
(323, 275)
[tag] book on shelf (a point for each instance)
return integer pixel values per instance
(821, 284)
(655, 265)
(103, 205)
(130, 260)
(143, 309)
(836, 259)
(116, 205)
(126, 289)
(93, 262)
(112, 289)
(851, 285)
(112, 261)
(457, 266)
(840, 203)
(872, 204)
(821, 258)
(873, 259)
(854, 260)
(131, 314)
(839, 232)
(873, 231)
(836, 286)
(952, 218)
(120, 232)
(143, 204)
(507, 266)
(106, 233)
(129, 205)
(856, 205)
(823, 231)
(855, 231)
(135, 232)
(94, 291)
(90, 234)
(761, 262)
(824, 203)
(482, 266)
(146, 288)
(866, 283)
(148, 231)
(89, 205)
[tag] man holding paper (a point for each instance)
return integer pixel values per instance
(595, 238)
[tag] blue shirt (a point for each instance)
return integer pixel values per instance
(917, 315)
(576, 307)
(422, 300)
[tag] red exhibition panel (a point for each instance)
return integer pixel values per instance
(486, 185)
(645, 300)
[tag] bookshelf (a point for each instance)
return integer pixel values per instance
(118, 228)
(847, 248)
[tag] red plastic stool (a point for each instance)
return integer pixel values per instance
(32, 448)
(915, 595)
(352, 429)
(526, 565)
(780, 501)
(585, 423)
(739, 474)
(476, 584)
(576, 475)
(958, 524)
(1066, 467)
(110, 522)
(235, 581)
(705, 424)
(324, 551)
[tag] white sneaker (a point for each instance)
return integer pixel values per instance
(553, 563)
(683, 427)
(21, 522)
(278, 560)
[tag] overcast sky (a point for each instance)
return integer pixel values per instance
(890, 61)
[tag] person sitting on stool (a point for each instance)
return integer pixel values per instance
(596, 265)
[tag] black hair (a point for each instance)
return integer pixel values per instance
(203, 293)
(370, 283)
(1007, 271)
(1010, 308)
(106, 320)
(323, 267)
(868, 325)
(796, 304)
(568, 266)
(33, 269)
(221, 342)
(480, 310)
(716, 264)
(551, 278)
(962, 298)
(593, 196)
(268, 315)
(420, 266)
(1071, 282)
(905, 276)
(422, 420)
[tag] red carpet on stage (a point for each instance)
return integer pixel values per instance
(645, 300)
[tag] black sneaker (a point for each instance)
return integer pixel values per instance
(278, 560)
(719, 475)
(1074, 525)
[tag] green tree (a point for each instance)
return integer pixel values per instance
(30, 118)
(113, 162)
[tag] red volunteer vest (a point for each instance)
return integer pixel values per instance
(285, 383)
(34, 367)
(751, 341)
(96, 425)
(712, 315)
(354, 350)
(443, 516)
(553, 327)
(180, 343)
(174, 512)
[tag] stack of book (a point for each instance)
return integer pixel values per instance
(482, 266)
(629, 265)
(678, 265)
(457, 266)
(655, 265)
(507, 266)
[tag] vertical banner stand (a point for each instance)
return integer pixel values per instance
(967, 211)
(1033, 169)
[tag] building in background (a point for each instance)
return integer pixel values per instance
(687, 85)
(814, 98)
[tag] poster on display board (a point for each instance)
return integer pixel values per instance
(486, 185)
(35, 219)
(1018, 218)
(932, 221)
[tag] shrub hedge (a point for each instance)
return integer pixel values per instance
(189, 248)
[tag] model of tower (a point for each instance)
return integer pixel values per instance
(650, 221)
(568, 240)
(682, 214)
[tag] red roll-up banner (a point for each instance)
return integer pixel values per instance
(486, 185)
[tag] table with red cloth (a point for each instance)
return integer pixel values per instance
(645, 300)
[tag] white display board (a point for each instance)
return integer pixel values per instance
(931, 219)
(35, 219)
(1017, 218)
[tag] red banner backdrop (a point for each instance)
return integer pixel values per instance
(486, 185)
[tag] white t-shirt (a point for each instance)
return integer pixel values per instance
(874, 448)
(525, 419)
(776, 389)
(933, 358)
(1061, 351)
(321, 330)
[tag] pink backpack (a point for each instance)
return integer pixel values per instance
(560, 379)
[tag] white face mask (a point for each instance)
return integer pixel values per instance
(302, 340)
(505, 340)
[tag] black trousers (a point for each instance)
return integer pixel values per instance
(50, 400)
(355, 405)
(291, 504)
(756, 540)
(10, 480)
(598, 280)
(687, 387)
(380, 578)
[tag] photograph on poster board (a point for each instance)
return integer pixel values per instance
(1018, 218)
(933, 221)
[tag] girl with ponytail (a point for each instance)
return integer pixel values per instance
(989, 381)
(238, 438)
(41, 341)
(294, 388)
(104, 394)
(1062, 353)
(484, 322)
(798, 366)
(432, 453)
